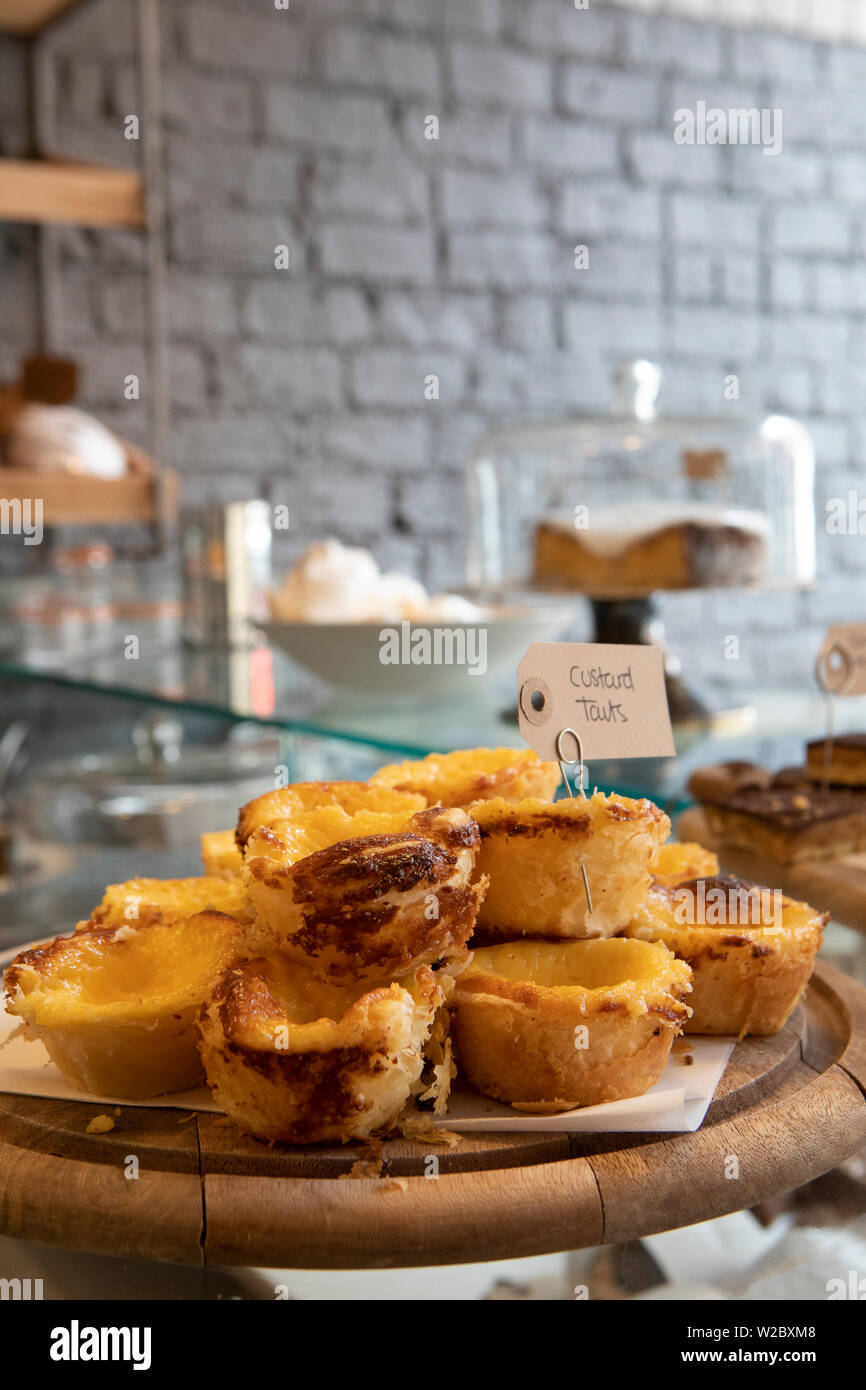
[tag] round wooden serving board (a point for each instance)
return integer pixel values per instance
(788, 1108)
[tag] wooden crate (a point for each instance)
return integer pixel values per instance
(69, 500)
(88, 195)
(29, 16)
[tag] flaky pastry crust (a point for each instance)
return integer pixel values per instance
(532, 853)
(366, 907)
(474, 774)
(115, 1007)
(748, 974)
(553, 1025)
(294, 1059)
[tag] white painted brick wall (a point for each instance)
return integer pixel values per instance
(354, 124)
(382, 253)
(382, 62)
(412, 256)
(492, 75)
(292, 311)
(474, 199)
(392, 377)
(575, 146)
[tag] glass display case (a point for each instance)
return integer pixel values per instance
(623, 506)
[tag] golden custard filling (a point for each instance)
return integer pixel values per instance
(677, 913)
(121, 974)
(220, 854)
(679, 862)
(278, 1005)
(287, 802)
(455, 779)
(307, 832)
(591, 976)
(143, 900)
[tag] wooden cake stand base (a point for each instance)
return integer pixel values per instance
(788, 1108)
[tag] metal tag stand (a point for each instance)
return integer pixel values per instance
(581, 780)
(843, 678)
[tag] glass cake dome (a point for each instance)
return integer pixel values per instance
(619, 506)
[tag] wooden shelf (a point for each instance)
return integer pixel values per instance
(88, 195)
(29, 16)
(83, 501)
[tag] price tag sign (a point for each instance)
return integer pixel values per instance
(841, 665)
(614, 697)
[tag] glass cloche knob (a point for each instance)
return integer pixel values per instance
(635, 388)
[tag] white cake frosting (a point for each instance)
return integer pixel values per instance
(612, 530)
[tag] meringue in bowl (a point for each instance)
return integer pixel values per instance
(340, 618)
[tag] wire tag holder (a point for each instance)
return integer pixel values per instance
(834, 672)
(581, 786)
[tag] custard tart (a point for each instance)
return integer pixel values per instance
(534, 854)
(364, 897)
(350, 797)
(680, 861)
(115, 1007)
(143, 900)
(220, 854)
(751, 949)
(475, 774)
(547, 1025)
(292, 1058)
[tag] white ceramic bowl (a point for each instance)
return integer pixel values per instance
(422, 660)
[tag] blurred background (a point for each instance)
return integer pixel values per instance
(245, 239)
(422, 278)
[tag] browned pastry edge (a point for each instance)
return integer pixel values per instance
(283, 801)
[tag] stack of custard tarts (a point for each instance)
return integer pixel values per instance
(348, 934)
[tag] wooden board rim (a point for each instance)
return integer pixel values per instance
(566, 1204)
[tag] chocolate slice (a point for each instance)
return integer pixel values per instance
(837, 761)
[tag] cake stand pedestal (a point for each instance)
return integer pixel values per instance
(636, 621)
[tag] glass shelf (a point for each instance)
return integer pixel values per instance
(263, 685)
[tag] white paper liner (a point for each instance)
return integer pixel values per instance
(677, 1102)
